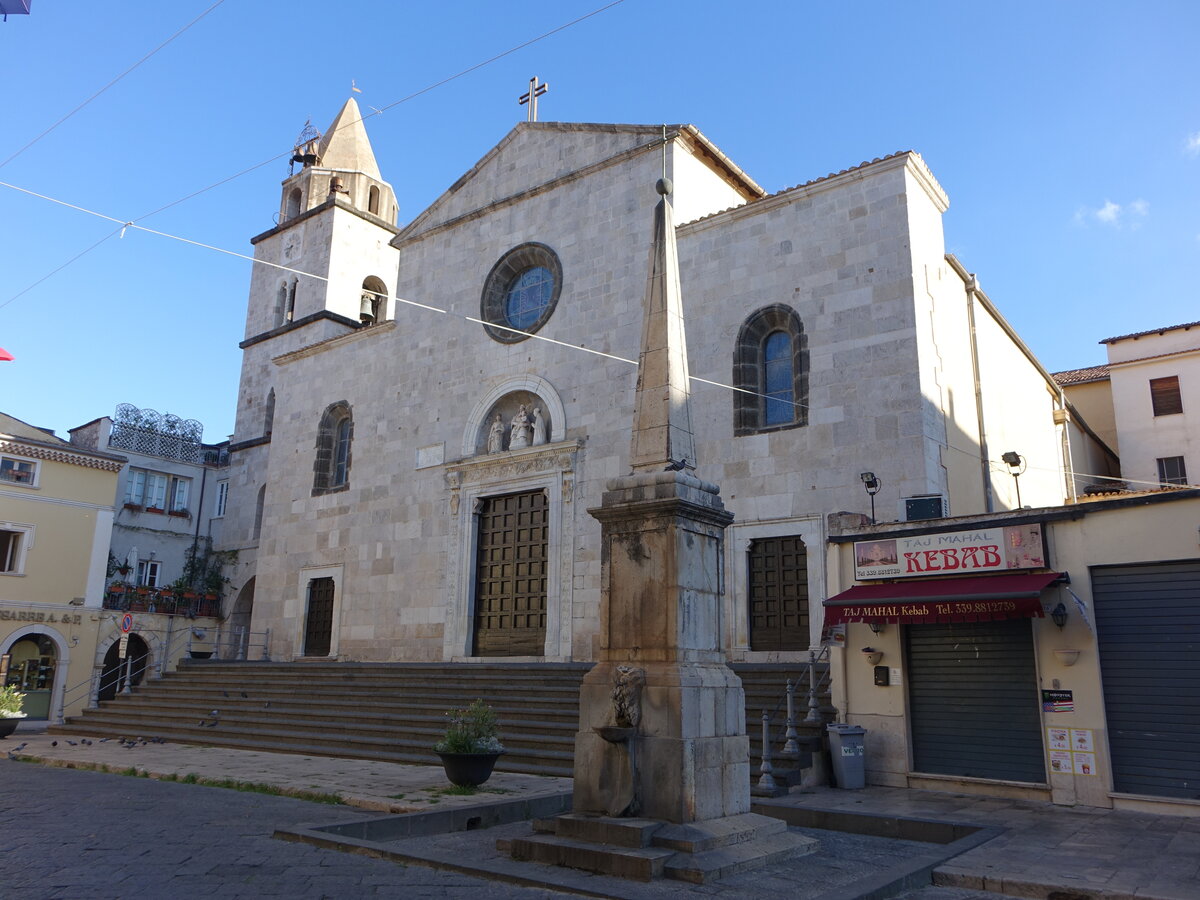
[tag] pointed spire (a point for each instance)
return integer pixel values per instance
(662, 418)
(346, 146)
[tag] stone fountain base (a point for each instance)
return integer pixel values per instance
(645, 849)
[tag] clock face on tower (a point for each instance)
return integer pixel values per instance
(291, 246)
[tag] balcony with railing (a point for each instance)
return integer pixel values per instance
(163, 601)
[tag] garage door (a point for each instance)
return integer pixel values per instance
(973, 700)
(1148, 627)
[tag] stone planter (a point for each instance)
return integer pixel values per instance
(468, 769)
(8, 726)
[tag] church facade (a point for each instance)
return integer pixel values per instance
(427, 412)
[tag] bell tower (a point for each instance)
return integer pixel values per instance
(326, 268)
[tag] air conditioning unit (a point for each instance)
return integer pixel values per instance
(923, 506)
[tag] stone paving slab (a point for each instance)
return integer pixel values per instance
(365, 784)
(1031, 849)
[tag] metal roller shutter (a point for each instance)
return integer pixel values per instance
(1148, 628)
(973, 700)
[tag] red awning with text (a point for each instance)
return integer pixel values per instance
(982, 599)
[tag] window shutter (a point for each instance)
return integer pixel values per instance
(1165, 396)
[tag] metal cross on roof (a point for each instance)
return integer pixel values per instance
(535, 90)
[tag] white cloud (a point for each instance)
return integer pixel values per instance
(1192, 145)
(1115, 215)
(1109, 213)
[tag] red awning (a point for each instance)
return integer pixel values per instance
(983, 598)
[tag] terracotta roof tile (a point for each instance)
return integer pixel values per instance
(1138, 334)
(1081, 376)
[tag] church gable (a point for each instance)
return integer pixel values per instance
(536, 155)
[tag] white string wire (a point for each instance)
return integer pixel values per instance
(110, 84)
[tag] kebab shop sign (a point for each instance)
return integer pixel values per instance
(951, 553)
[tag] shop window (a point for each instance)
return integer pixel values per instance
(18, 471)
(1165, 396)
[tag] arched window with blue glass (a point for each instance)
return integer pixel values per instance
(770, 370)
(335, 435)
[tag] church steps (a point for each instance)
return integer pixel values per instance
(392, 712)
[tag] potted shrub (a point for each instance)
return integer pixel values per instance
(471, 745)
(10, 710)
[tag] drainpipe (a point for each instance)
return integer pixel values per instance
(985, 469)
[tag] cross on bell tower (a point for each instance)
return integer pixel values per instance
(531, 97)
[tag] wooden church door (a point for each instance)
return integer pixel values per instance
(510, 576)
(779, 594)
(318, 625)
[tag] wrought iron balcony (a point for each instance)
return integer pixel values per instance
(162, 601)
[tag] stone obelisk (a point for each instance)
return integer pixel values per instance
(662, 718)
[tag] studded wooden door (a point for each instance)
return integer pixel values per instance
(779, 594)
(318, 624)
(510, 576)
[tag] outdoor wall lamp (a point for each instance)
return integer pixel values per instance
(1059, 614)
(877, 627)
(1016, 466)
(872, 486)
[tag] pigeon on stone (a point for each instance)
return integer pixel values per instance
(245, 696)
(72, 743)
(18, 748)
(54, 743)
(105, 740)
(201, 723)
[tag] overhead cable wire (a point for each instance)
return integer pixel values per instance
(110, 84)
(379, 111)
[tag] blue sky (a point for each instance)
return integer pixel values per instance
(1067, 135)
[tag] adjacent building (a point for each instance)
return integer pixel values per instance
(56, 520)
(162, 568)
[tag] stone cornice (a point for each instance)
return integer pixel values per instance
(908, 160)
(488, 467)
(330, 203)
(37, 450)
(300, 323)
(339, 341)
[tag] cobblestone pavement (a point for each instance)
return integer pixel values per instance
(74, 834)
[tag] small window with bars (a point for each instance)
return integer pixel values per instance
(1165, 397)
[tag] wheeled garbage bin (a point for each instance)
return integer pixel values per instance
(846, 752)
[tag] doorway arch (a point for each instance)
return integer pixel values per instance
(112, 676)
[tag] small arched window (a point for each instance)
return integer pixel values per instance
(335, 435)
(281, 305)
(770, 369)
(269, 414)
(258, 513)
(373, 303)
(293, 203)
(373, 200)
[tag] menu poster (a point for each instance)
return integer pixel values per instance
(1081, 740)
(1060, 762)
(1059, 738)
(1085, 763)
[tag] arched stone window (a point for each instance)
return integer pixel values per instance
(373, 200)
(281, 305)
(331, 468)
(770, 368)
(259, 503)
(269, 414)
(293, 203)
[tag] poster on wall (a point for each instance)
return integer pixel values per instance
(1058, 701)
(1060, 762)
(1014, 547)
(1058, 738)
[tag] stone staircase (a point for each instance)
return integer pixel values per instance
(384, 711)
